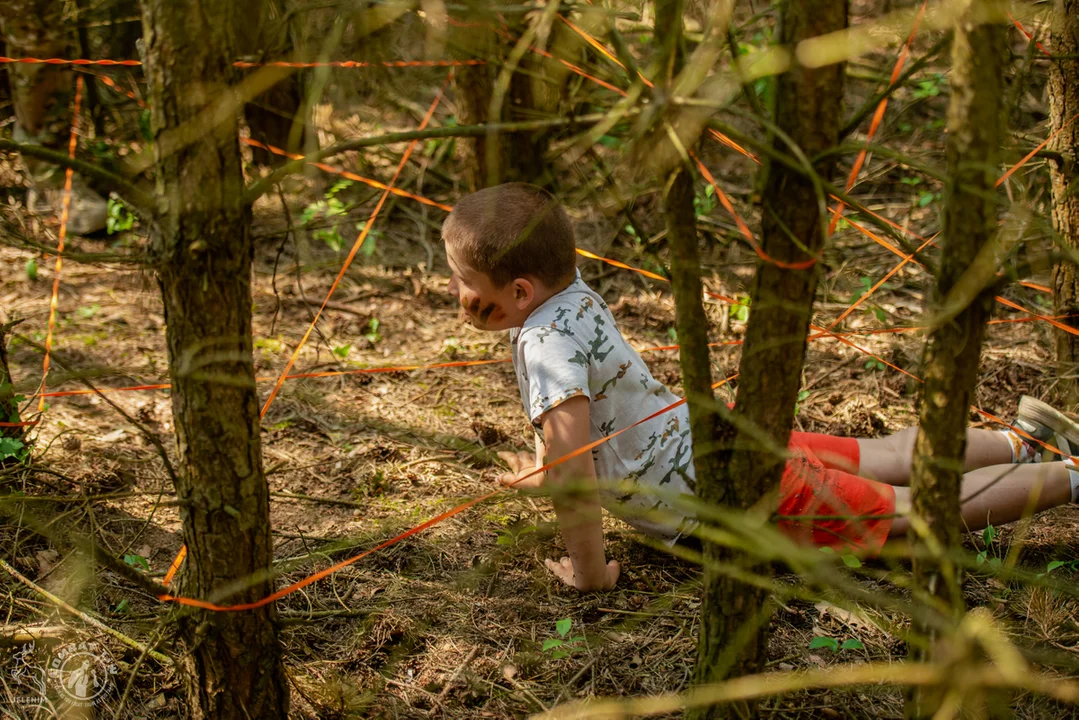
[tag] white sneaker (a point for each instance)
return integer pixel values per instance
(1044, 422)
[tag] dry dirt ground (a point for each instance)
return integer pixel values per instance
(452, 622)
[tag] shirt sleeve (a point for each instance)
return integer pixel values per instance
(556, 367)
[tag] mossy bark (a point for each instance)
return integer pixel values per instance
(1064, 176)
(202, 249)
(953, 348)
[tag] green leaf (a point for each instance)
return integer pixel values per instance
(823, 642)
(827, 550)
(122, 608)
(989, 534)
(10, 447)
(851, 561)
(559, 654)
(672, 334)
(925, 199)
(980, 559)
(562, 626)
(505, 539)
(852, 644)
(137, 561)
(994, 563)
(31, 269)
(341, 351)
(610, 142)
(1054, 565)
(551, 643)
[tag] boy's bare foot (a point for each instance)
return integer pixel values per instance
(563, 570)
(1046, 423)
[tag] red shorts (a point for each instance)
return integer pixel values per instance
(818, 483)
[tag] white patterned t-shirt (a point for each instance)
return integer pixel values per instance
(570, 346)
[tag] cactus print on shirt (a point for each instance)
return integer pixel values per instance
(570, 346)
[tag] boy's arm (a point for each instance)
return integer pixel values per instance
(575, 494)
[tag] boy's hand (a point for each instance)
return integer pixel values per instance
(521, 464)
(563, 570)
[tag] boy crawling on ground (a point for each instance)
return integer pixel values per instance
(511, 250)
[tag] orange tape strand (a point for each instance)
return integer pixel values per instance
(272, 63)
(878, 116)
(346, 174)
(355, 247)
(54, 301)
(1028, 35)
(744, 229)
(310, 579)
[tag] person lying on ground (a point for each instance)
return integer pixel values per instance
(512, 256)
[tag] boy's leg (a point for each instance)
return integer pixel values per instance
(1001, 494)
(888, 459)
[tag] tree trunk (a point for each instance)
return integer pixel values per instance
(1064, 175)
(958, 312)
(536, 89)
(41, 93)
(279, 116)
(734, 616)
(202, 250)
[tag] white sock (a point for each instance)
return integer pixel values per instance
(1023, 450)
(1073, 477)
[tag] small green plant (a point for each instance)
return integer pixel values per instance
(867, 285)
(834, 645)
(341, 351)
(372, 331)
(88, 311)
(912, 181)
(450, 347)
(11, 448)
(988, 554)
(118, 217)
(873, 364)
(31, 269)
(930, 87)
(561, 646)
(370, 243)
(137, 561)
(740, 312)
(631, 232)
(330, 206)
(672, 333)
(926, 197)
(512, 534)
(802, 396)
(704, 204)
(1069, 565)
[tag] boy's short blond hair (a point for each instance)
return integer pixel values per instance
(512, 231)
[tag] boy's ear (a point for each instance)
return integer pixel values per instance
(523, 293)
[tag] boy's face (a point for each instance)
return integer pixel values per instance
(488, 307)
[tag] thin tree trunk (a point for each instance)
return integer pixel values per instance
(1064, 175)
(41, 93)
(202, 250)
(279, 116)
(958, 312)
(742, 472)
(536, 90)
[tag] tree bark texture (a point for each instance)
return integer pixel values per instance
(41, 93)
(202, 251)
(279, 116)
(537, 90)
(952, 349)
(1064, 176)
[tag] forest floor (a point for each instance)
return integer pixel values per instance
(452, 621)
